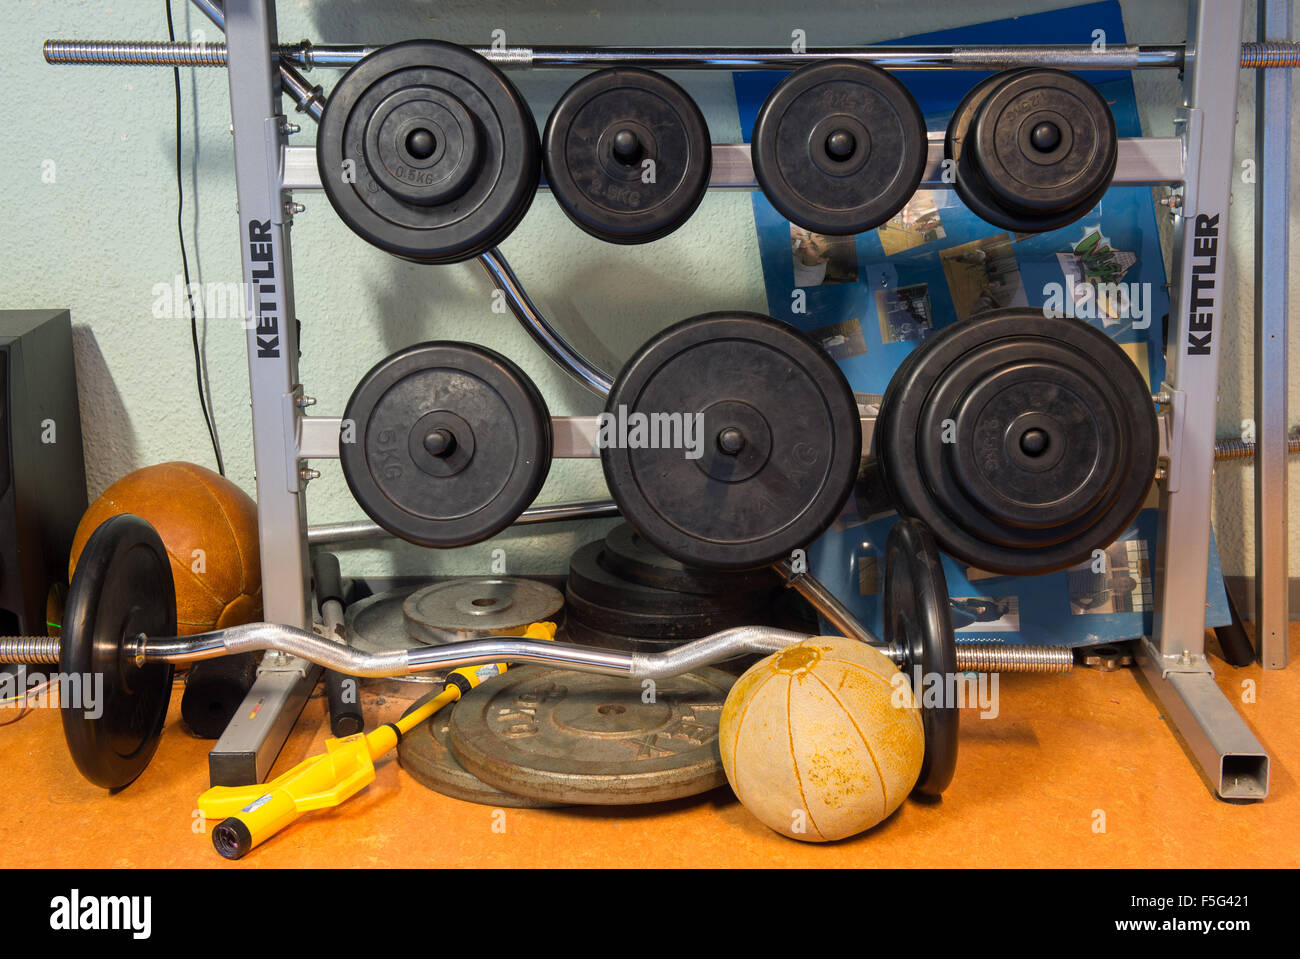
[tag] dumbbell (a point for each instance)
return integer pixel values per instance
(919, 639)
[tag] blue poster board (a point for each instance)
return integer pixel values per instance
(870, 299)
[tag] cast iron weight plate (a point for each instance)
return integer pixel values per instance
(427, 758)
(472, 607)
(918, 619)
(629, 556)
(452, 443)
(611, 132)
(839, 147)
(779, 441)
(1053, 440)
(562, 736)
(427, 151)
(123, 587)
(1035, 149)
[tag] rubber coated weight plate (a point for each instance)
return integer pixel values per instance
(918, 620)
(1023, 442)
(627, 155)
(426, 756)
(629, 556)
(839, 147)
(674, 627)
(773, 448)
(564, 736)
(473, 607)
(590, 579)
(427, 151)
(452, 442)
(1035, 150)
(122, 587)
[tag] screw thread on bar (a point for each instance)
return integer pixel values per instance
(992, 657)
(1241, 449)
(29, 649)
(147, 53)
(1270, 54)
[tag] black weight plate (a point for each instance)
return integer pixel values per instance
(666, 626)
(122, 587)
(1054, 198)
(452, 443)
(839, 147)
(1054, 440)
(426, 755)
(595, 149)
(589, 578)
(628, 555)
(918, 620)
(752, 379)
(427, 151)
(564, 736)
(584, 635)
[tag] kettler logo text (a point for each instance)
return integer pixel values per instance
(261, 250)
(1200, 317)
(78, 913)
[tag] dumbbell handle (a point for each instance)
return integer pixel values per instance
(983, 657)
(309, 646)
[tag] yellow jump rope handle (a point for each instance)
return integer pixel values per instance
(253, 814)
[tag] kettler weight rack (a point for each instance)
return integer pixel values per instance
(1196, 164)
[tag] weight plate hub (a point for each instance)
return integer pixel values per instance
(564, 736)
(452, 442)
(1023, 442)
(427, 151)
(426, 755)
(462, 609)
(629, 556)
(918, 620)
(1035, 150)
(775, 448)
(122, 587)
(627, 155)
(839, 147)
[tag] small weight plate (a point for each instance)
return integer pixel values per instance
(628, 555)
(563, 736)
(918, 620)
(472, 607)
(1023, 442)
(839, 147)
(775, 448)
(452, 442)
(122, 587)
(675, 627)
(1034, 150)
(627, 155)
(427, 758)
(592, 581)
(427, 151)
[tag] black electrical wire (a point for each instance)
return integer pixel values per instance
(185, 262)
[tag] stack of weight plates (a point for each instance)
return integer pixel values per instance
(623, 593)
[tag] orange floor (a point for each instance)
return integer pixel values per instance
(1028, 790)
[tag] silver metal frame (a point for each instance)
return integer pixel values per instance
(1199, 160)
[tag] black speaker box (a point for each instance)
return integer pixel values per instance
(42, 474)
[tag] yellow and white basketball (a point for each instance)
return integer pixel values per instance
(823, 739)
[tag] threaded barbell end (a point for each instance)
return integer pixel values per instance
(144, 53)
(1005, 658)
(29, 649)
(1270, 54)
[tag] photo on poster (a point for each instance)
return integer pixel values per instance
(1122, 586)
(822, 260)
(841, 340)
(983, 275)
(904, 314)
(985, 614)
(915, 224)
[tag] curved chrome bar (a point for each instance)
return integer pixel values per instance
(316, 649)
(540, 328)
